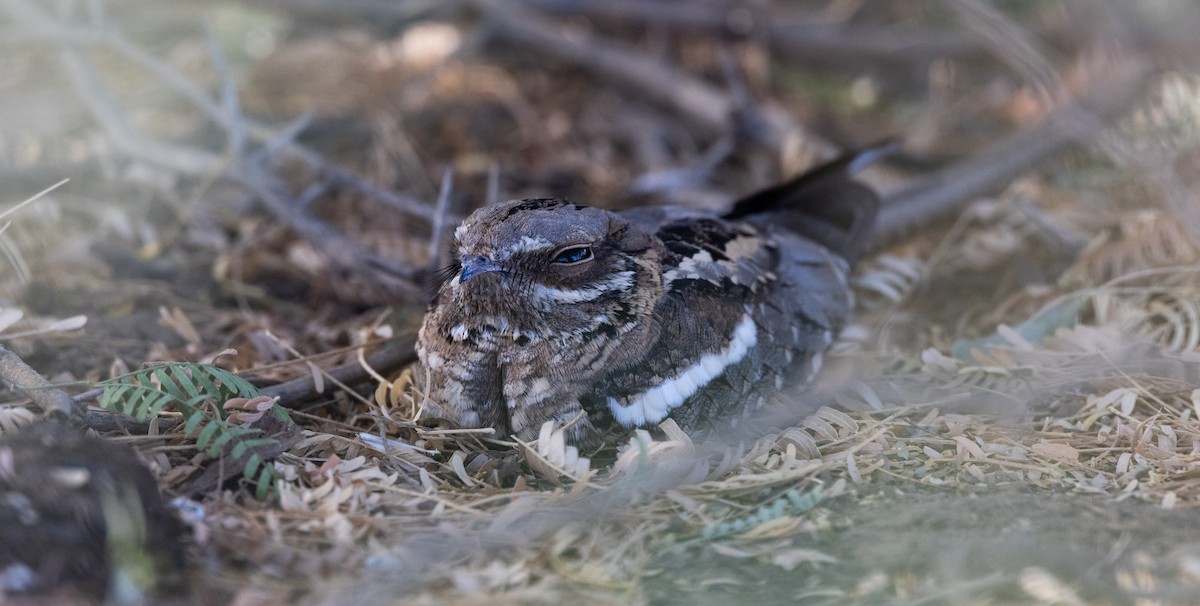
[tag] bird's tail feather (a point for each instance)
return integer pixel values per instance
(824, 204)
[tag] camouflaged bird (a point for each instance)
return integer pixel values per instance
(607, 321)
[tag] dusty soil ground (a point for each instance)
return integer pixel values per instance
(991, 544)
(1011, 419)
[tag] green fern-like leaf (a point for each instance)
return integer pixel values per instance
(196, 391)
(265, 481)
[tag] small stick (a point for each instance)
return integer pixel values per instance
(948, 190)
(704, 105)
(395, 354)
(808, 36)
(234, 120)
(52, 400)
(439, 220)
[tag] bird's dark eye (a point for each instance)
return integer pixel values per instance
(573, 254)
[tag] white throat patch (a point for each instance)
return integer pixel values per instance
(655, 403)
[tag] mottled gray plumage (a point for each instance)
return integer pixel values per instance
(609, 321)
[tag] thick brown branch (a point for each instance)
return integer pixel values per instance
(949, 190)
(391, 357)
(816, 40)
(22, 377)
(344, 252)
(699, 102)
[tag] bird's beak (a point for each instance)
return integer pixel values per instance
(473, 266)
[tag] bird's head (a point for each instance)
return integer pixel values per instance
(550, 256)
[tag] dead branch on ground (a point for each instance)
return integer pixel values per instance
(704, 105)
(52, 400)
(391, 357)
(247, 167)
(938, 195)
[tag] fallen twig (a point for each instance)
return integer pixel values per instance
(440, 225)
(947, 191)
(813, 38)
(104, 421)
(52, 400)
(344, 252)
(702, 104)
(232, 122)
(384, 14)
(1013, 44)
(294, 393)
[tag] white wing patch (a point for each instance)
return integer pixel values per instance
(655, 403)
